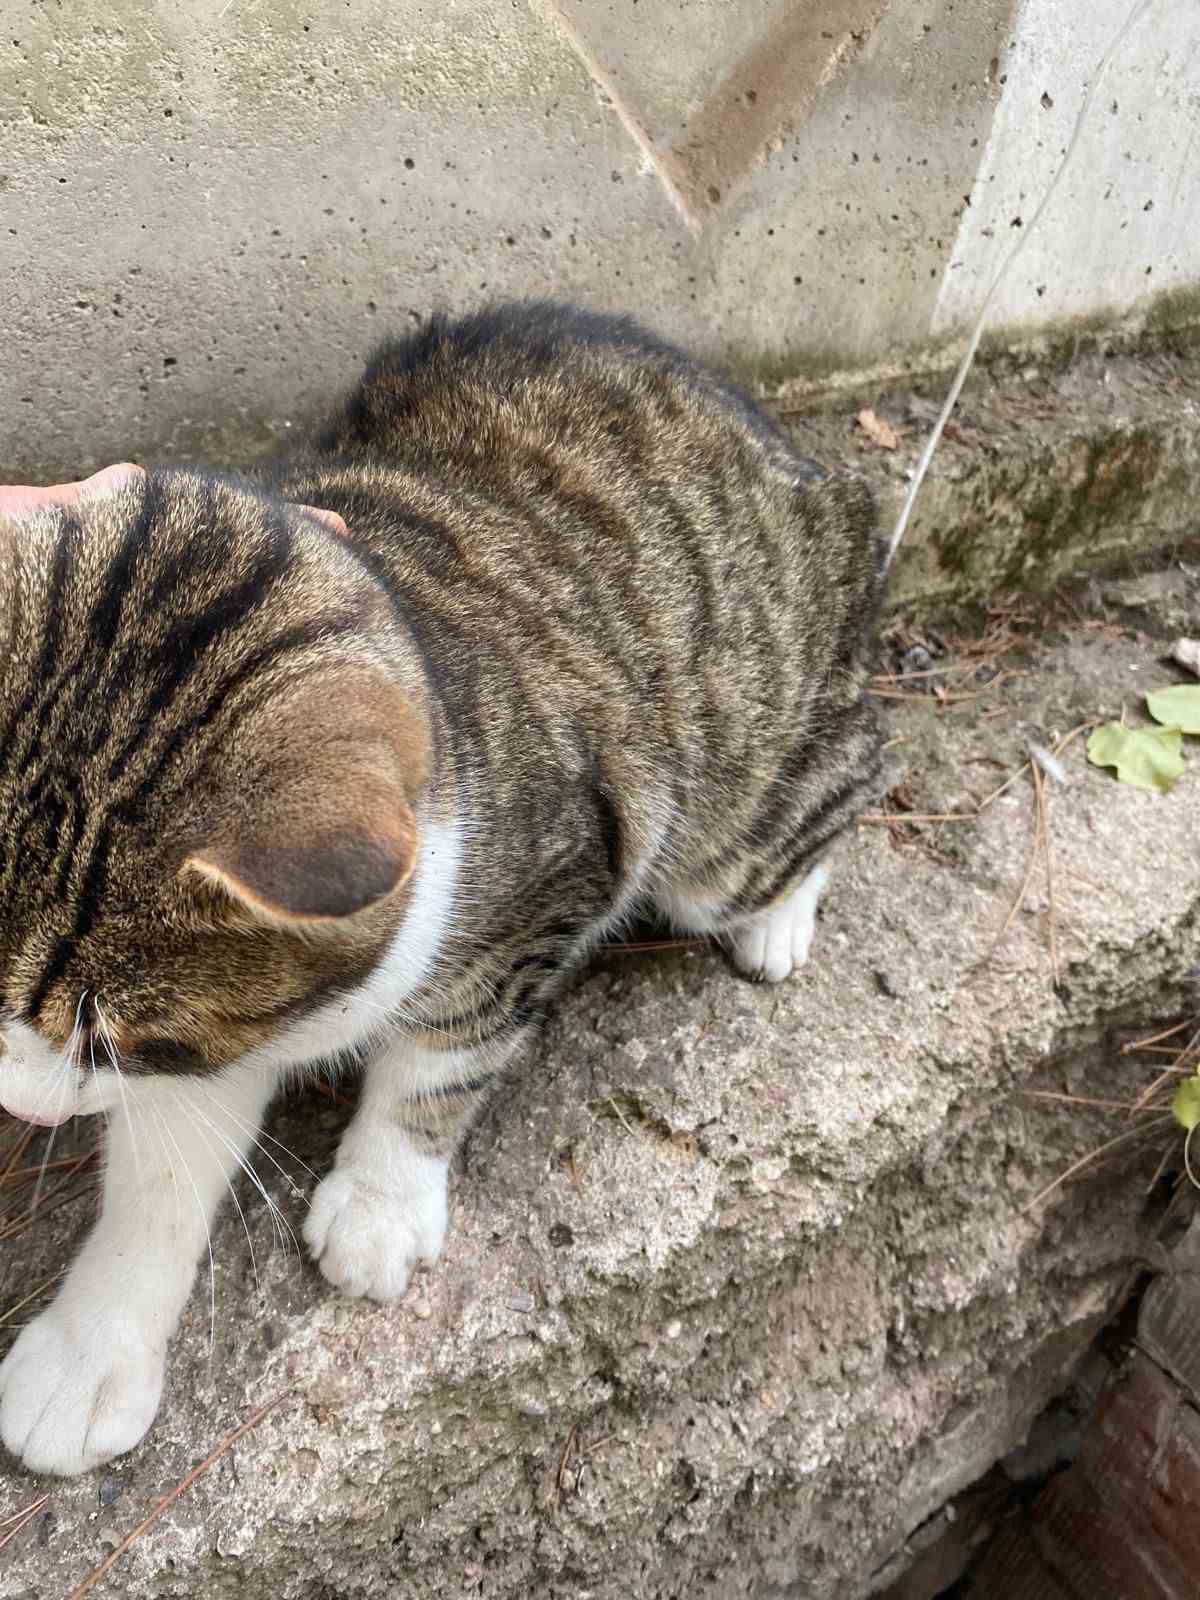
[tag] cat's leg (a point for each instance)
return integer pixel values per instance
(83, 1381)
(766, 945)
(755, 877)
(772, 943)
(383, 1207)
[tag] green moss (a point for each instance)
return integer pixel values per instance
(1174, 309)
(1032, 519)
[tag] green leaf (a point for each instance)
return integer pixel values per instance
(1148, 758)
(1186, 1105)
(1178, 707)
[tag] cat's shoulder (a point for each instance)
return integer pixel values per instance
(541, 331)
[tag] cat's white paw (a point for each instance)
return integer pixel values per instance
(773, 944)
(367, 1233)
(76, 1390)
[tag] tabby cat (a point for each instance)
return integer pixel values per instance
(356, 757)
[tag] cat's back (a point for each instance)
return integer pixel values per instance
(636, 599)
(547, 380)
(593, 448)
(539, 482)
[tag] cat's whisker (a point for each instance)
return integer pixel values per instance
(255, 1135)
(66, 1081)
(92, 1061)
(67, 1076)
(158, 1128)
(285, 1236)
(110, 1047)
(283, 1229)
(375, 1005)
(212, 1270)
(71, 1048)
(196, 1118)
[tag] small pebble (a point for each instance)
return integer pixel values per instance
(1049, 763)
(422, 1309)
(1187, 653)
(917, 659)
(109, 1491)
(673, 1329)
(885, 985)
(522, 1300)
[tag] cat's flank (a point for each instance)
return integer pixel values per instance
(360, 756)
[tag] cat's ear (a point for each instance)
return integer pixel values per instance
(323, 825)
(297, 867)
(330, 518)
(19, 499)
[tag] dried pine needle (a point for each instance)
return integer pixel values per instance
(169, 1499)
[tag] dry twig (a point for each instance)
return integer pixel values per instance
(560, 1475)
(1155, 1038)
(1043, 828)
(8, 1315)
(168, 1500)
(1087, 1160)
(20, 1519)
(1083, 1100)
(638, 946)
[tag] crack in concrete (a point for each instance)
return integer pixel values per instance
(781, 74)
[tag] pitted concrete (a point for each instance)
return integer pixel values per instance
(210, 209)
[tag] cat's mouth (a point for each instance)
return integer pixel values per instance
(46, 1099)
(38, 1086)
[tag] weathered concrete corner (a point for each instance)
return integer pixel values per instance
(743, 1282)
(210, 210)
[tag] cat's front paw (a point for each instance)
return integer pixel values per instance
(770, 946)
(368, 1231)
(76, 1390)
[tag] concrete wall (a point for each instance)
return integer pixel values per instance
(209, 209)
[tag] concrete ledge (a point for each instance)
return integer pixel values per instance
(741, 1284)
(1052, 467)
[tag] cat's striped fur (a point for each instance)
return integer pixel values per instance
(547, 625)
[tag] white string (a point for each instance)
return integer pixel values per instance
(964, 366)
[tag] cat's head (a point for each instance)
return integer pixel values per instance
(212, 759)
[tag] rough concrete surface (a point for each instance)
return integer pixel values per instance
(743, 1283)
(211, 209)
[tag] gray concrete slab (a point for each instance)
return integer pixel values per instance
(210, 209)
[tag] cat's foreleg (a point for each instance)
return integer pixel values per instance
(383, 1208)
(83, 1381)
(772, 943)
(766, 945)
